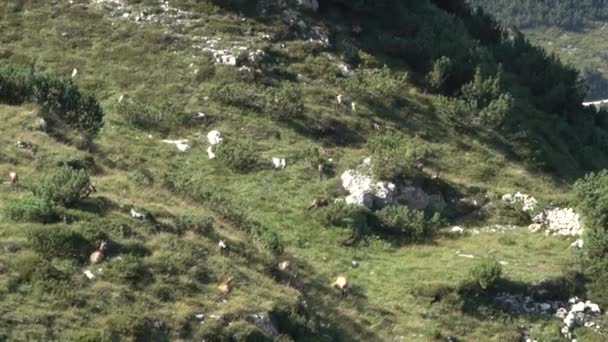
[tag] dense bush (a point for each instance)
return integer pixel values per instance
(60, 241)
(395, 155)
(162, 118)
(286, 102)
(485, 273)
(409, 224)
(337, 214)
(238, 156)
(569, 14)
(483, 103)
(65, 187)
(32, 209)
(59, 98)
(592, 197)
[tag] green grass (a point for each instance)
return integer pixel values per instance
(176, 274)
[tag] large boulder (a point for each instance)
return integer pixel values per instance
(366, 192)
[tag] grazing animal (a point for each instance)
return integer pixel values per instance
(97, 256)
(318, 202)
(223, 247)
(321, 168)
(343, 101)
(342, 284)
(14, 179)
(224, 287)
(84, 193)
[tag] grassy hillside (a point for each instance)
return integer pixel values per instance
(153, 74)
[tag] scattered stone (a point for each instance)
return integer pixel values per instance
(578, 243)
(528, 202)
(23, 144)
(200, 115)
(279, 163)
(284, 265)
(215, 137)
(457, 230)
(181, 144)
(41, 125)
(89, 274)
(210, 152)
(344, 70)
(262, 320)
(354, 264)
(74, 72)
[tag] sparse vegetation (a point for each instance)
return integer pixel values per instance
(163, 212)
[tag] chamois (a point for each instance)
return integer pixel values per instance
(98, 255)
(342, 284)
(84, 193)
(318, 202)
(224, 287)
(343, 101)
(14, 180)
(223, 247)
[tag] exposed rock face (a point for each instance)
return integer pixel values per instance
(181, 144)
(41, 125)
(366, 192)
(574, 313)
(262, 320)
(528, 202)
(560, 221)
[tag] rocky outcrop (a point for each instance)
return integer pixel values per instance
(366, 192)
(574, 313)
(559, 221)
(528, 202)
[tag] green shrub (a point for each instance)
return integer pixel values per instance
(286, 102)
(410, 224)
(163, 118)
(61, 242)
(486, 272)
(237, 156)
(269, 239)
(394, 155)
(59, 98)
(65, 187)
(128, 269)
(32, 209)
(336, 214)
(591, 193)
(38, 271)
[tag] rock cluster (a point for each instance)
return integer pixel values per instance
(366, 192)
(528, 202)
(559, 221)
(574, 313)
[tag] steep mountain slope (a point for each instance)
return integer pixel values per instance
(573, 30)
(433, 84)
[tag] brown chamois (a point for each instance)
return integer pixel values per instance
(98, 255)
(342, 284)
(223, 246)
(84, 193)
(224, 287)
(14, 177)
(345, 102)
(318, 202)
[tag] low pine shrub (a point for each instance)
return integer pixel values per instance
(65, 187)
(61, 242)
(32, 209)
(409, 224)
(486, 273)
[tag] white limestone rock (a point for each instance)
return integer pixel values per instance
(215, 137)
